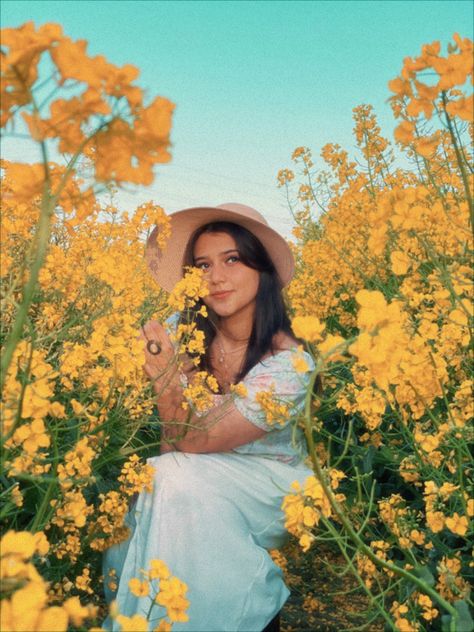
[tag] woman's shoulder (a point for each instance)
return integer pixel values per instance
(287, 355)
(283, 342)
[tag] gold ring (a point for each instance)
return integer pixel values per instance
(153, 347)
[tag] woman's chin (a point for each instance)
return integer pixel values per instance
(223, 312)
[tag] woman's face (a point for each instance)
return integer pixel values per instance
(233, 286)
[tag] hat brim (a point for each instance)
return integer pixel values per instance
(166, 265)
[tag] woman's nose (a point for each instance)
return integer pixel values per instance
(216, 274)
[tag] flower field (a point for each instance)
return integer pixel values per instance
(382, 299)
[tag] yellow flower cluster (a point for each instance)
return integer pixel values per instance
(451, 585)
(407, 614)
(83, 581)
(199, 392)
(132, 137)
(77, 464)
(384, 261)
(414, 98)
(190, 339)
(108, 527)
(402, 622)
(26, 402)
(435, 507)
(187, 292)
(304, 508)
(328, 346)
(75, 288)
(71, 513)
(168, 591)
(276, 411)
(28, 607)
(136, 476)
(239, 389)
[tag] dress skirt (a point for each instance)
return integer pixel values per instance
(211, 518)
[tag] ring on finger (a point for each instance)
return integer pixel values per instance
(153, 347)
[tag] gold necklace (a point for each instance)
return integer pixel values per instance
(223, 352)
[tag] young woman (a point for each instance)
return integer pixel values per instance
(215, 507)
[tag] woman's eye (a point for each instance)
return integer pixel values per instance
(202, 266)
(233, 259)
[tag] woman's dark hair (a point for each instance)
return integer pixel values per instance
(270, 310)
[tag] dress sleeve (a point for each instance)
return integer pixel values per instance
(171, 323)
(274, 390)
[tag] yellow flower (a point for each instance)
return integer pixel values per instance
(401, 262)
(17, 496)
(32, 436)
(428, 443)
(336, 476)
(83, 581)
(77, 612)
(417, 536)
(331, 348)
(158, 570)
(307, 327)
(41, 543)
(135, 623)
(239, 389)
(21, 543)
(22, 610)
(136, 476)
(199, 392)
(276, 411)
(470, 507)
(305, 541)
(299, 363)
(188, 290)
(172, 597)
(310, 517)
(435, 520)
(457, 524)
(138, 587)
(53, 619)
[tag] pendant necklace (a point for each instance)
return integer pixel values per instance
(226, 374)
(223, 352)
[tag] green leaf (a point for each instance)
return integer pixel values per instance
(368, 459)
(424, 573)
(464, 621)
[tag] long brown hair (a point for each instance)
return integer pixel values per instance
(270, 311)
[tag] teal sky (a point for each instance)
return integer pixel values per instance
(251, 80)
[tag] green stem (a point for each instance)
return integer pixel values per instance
(359, 579)
(459, 157)
(351, 532)
(42, 240)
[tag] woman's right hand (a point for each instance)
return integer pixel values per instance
(160, 356)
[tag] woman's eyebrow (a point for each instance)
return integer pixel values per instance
(224, 252)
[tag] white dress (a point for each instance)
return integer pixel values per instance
(212, 517)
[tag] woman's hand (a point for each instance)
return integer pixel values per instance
(160, 361)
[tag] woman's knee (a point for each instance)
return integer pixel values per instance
(175, 470)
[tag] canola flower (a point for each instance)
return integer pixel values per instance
(383, 265)
(75, 290)
(382, 298)
(28, 606)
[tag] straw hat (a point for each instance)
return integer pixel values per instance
(166, 265)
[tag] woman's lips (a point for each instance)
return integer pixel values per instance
(221, 294)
